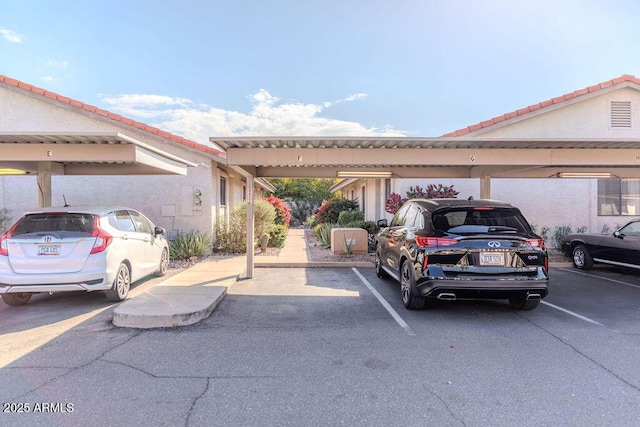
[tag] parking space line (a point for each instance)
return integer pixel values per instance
(599, 277)
(385, 304)
(579, 316)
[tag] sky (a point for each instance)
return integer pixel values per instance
(415, 68)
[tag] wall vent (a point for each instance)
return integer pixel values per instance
(620, 114)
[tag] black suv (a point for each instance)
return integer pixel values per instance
(462, 249)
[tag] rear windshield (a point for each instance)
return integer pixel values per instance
(489, 217)
(76, 223)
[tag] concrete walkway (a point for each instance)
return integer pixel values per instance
(193, 294)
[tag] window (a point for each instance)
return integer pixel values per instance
(142, 224)
(244, 192)
(223, 191)
(618, 197)
(398, 218)
(364, 193)
(387, 188)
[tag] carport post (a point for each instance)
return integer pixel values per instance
(485, 187)
(44, 189)
(250, 225)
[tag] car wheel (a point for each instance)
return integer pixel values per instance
(524, 304)
(581, 258)
(121, 285)
(378, 262)
(410, 297)
(20, 298)
(164, 264)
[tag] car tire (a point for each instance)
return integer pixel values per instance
(408, 291)
(20, 298)
(524, 304)
(121, 285)
(582, 259)
(378, 263)
(164, 264)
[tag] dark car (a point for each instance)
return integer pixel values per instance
(619, 248)
(463, 249)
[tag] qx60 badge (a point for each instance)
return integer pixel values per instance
(494, 244)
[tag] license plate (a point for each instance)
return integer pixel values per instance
(48, 249)
(491, 258)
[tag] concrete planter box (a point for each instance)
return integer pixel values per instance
(356, 238)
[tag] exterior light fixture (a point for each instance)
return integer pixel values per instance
(585, 175)
(364, 174)
(4, 171)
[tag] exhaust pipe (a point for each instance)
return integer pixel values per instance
(447, 296)
(533, 297)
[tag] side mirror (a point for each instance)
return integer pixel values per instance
(382, 223)
(158, 230)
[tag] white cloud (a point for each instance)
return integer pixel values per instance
(47, 78)
(267, 117)
(11, 36)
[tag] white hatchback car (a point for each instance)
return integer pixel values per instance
(79, 248)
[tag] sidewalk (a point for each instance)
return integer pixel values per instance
(191, 295)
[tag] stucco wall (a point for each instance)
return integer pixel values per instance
(586, 119)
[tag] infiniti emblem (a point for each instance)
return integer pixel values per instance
(494, 244)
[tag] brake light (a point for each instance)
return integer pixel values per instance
(103, 239)
(537, 243)
(431, 242)
(4, 245)
(483, 208)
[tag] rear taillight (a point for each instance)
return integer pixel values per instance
(433, 242)
(4, 240)
(537, 243)
(4, 244)
(103, 239)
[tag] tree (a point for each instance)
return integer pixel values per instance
(311, 190)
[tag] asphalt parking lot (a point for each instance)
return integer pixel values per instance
(322, 346)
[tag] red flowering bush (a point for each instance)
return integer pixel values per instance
(283, 214)
(395, 201)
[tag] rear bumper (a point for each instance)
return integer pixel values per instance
(483, 288)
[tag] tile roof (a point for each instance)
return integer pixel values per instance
(625, 78)
(109, 115)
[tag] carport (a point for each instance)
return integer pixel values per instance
(445, 157)
(82, 154)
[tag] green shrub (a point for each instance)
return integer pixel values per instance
(230, 238)
(350, 216)
(187, 245)
(277, 235)
(329, 210)
(323, 232)
(559, 233)
(311, 222)
(264, 216)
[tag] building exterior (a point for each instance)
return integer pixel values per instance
(195, 201)
(609, 111)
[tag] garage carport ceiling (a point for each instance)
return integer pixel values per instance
(85, 154)
(448, 157)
